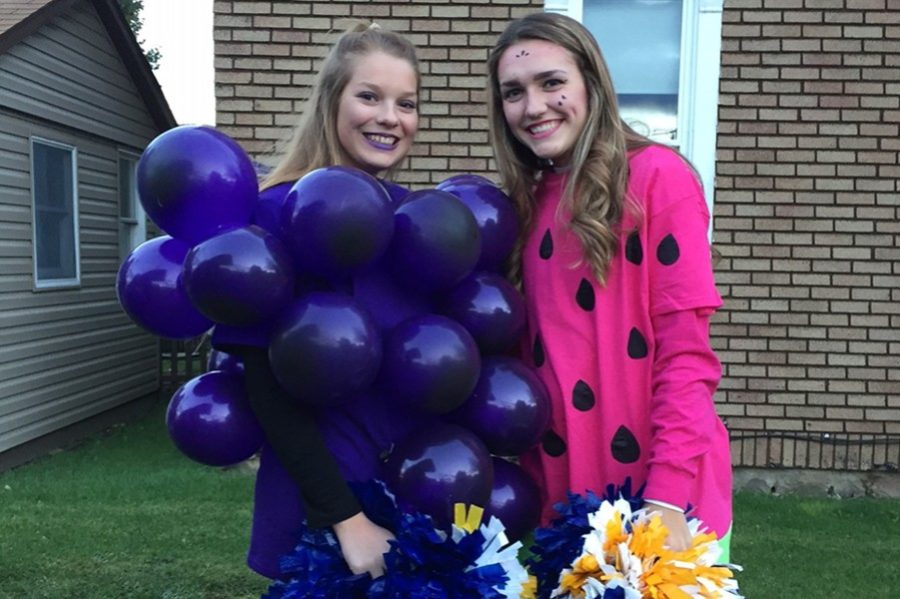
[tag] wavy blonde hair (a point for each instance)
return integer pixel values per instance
(595, 194)
(314, 143)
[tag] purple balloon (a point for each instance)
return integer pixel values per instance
(437, 467)
(195, 182)
(267, 213)
(436, 241)
(509, 409)
(495, 214)
(337, 218)
(219, 360)
(241, 277)
(210, 420)
(388, 303)
(325, 349)
(151, 290)
(464, 179)
(490, 308)
(515, 500)
(431, 363)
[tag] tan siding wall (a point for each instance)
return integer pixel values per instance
(267, 54)
(807, 215)
(69, 72)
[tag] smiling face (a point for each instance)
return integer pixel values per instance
(378, 112)
(545, 100)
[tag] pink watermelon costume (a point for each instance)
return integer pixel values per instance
(629, 367)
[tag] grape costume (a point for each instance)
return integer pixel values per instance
(309, 454)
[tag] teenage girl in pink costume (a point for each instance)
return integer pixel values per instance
(616, 271)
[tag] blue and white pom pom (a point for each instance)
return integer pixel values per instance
(472, 560)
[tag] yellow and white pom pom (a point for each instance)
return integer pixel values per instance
(626, 550)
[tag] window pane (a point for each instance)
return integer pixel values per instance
(126, 188)
(641, 42)
(132, 229)
(54, 213)
(53, 189)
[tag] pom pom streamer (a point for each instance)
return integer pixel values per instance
(622, 555)
(471, 560)
(557, 546)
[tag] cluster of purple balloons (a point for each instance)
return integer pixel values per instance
(361, 291)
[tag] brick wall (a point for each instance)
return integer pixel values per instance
(267, 54)
(807, 201)
(807, 215)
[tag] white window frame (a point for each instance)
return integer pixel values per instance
(137, 224)
(698, 87)
(59, 283)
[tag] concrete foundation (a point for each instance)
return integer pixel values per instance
(818, 483)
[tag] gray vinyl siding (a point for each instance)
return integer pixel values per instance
(70, 73)
(67, 354)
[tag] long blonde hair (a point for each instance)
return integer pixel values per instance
(315, 142)
(595, 194)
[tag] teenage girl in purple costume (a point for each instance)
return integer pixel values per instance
(363, 113)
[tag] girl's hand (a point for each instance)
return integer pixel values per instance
(676, 523)
(363, 544)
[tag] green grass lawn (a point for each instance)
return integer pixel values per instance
(126, 515)
(803, 548)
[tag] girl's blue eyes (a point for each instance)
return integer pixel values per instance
(371, 97)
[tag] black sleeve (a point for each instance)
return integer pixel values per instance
(291, 430)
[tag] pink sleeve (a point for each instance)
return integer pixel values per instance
(681, 275)
(682, 414)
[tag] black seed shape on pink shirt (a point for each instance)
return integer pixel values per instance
(667, 252)
(634, 253)
(582, 396)
(637, 345)
(585, 295)
(624, 446)
(546, 249)
(553, 444)
(537, 352)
